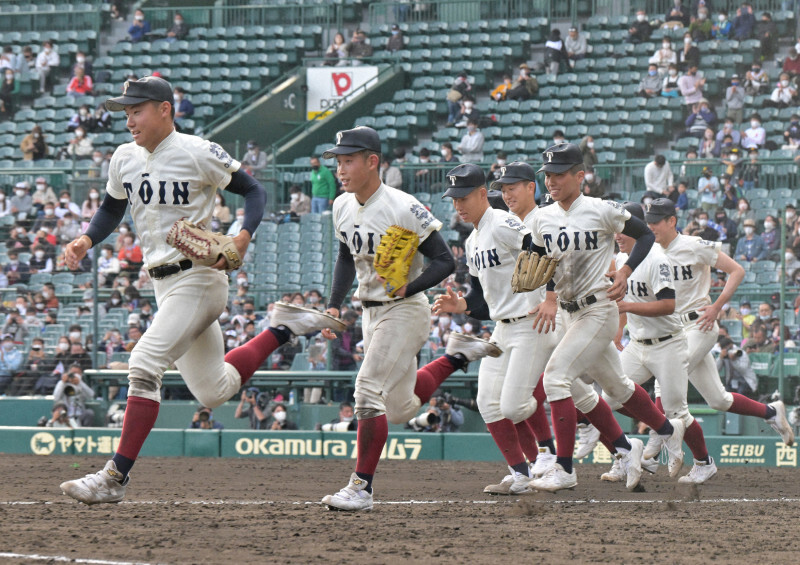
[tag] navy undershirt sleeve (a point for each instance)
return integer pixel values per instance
(255, 198)
(476, 303)
(666, 294)
(441, 266)
(344, 272)
(106, 219)
(645, 239)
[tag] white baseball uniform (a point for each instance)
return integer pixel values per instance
(582, 238)
(177, 180)
(395, 330)
(658, 345)
(692, 259)
(506, 383)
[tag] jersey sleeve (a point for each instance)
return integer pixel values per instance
(469, 252)
(510, 232)
(614, 215)
(337, 211)
(536, 233)
(418, 219)
(660, 274)
(706, 252)
(114, 186)
(217, 165)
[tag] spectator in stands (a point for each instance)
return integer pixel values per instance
(43, 194)
(81, 118)
(203, 419)
(689, 55)
(323, 187)
(65, 204)
(494, 170)
(468, 112)
(744, 23)
(15, 326)
(390, 176)
(336, 54)
(726, 227)
(130, 255)
(640, 30)
(792, 267)
(751, 247)
(756, 80)
(658, 175)
(108, 268)
(747, 175)
(734, 101)
(254, 160)
(501, 91)
(678, 16)
(422, 176)
(100, 121)
(791, 64)
(40, 263)
(178, 30)
(592, 184)
(735, 365)
(728, 131)
(691, 86)
(755, 135)
(11, 361)
(252, 405)
(722, 28)
(184, 109)
(46, 61)
(359, 48)
(700, 28)
(5, 205)
(8, 60)
(279, 419)
(8, 92)
(33, 145)
(743, 212)
(80, 145)
(650, 85)
(575, 45)
(90, 205)
(665, 56)
(767, 32)
(586, 146)
(791, 223)
(555, 52)
(525, 87)
(705, 229)
(700, 119)
(678, 196)
(791, 136)
(471, 146)
(396, 40)
(28, 62)
(139, 28)
(45, 238)
(771, 236)
(22, 202)
(708, 189)
(82, 63)
(455, 95)
(730, 192)
(446, 151)
(346, 353)
(784, 93)
(221, 214)
(759, 342)
(96, 167)
(16, 271)
(237, 222)
(669, 86)
(80, 84)
(709, 147)
(72, 392)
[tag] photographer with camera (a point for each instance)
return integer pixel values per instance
(252, 404)
(346, 421)
(60, 417)
(10, 361)
(73, 393)
(280, 420)
(443, 415)
(203, 419)
(739, 375)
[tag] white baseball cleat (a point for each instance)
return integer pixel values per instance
(515, 483)
(556, 479)
(674, 445)
(351, 498)
(631, 463)
(471, 347)
(654, 444)
(780, 424)
(302, 321)
(650, 465)
(103, 486)
(588, 436)
(700, 473)
(615, 475)
(544, 462)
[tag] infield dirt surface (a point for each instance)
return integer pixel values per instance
(188, 510)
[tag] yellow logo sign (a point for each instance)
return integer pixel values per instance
(43, 443)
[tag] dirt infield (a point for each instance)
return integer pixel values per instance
(266, 511)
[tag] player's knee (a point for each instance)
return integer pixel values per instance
(556, 389)
(516, 411)
(367, 413)
(144, 386)
(721, 403)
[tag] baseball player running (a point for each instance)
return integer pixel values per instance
(505, 383)
(578, 231)
(657, 347)
(691, 259)
(167, 176)
(395, 327)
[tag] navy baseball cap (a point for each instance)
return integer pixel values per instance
(560, 158)
(635, 209)
(659, 209)
(354, 140)
(464, 179)
(514, 172)
(142, 90)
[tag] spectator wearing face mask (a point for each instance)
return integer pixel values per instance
(323, 187)
(46, 61)
(708, 189)
(11, 361)
(658, 175)
(255, 160)
(747, 175)
(722, 28)
(238, 221)
(65, 204)
(468, 112)
(744, 23)
(422, 176)
(279, 419)
(390, 176)
(80, 84)
(108, 267)
(689, 55)
(727, 228)
(771, 235)
(700, 119)
(669, 86)
(784, 93)
(139, 28)
(396, 40)
(665, 56)
(8, 92)
(576, 47)
(586, 146)
(767, 32)
(495, 171)
(755, 135)
(592, 185)
(446, 150)
(346, 416)
(691, 86)
(458, 91)
(705, 228)
(471, 146)
(90, 205)
(756, 80)
(42, 194)
(33, 145)
(100, 122)
(751, 247)
(501, 91)
(178, 30)
(221, 212)
(640, 29)
(701, 28)
(16, 271)
(184, 109)
(734, 102)
(650, 85)
(791, 64)
(40, 263)
(80, 145)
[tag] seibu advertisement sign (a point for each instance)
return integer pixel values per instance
(328, 85)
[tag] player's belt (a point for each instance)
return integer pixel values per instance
(164, 271)
(690, 317)
(576, 305)
(378, 303)
(654, 340)
(512, 320)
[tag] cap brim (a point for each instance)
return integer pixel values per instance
(342, 150)
(654, 218)
(117, 104)
(556, 168)
(458, 192)
(498, 184)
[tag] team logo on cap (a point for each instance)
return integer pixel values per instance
(647, 207)
(502, 171)
(339, 137)
(452, 179)
(125, 87)
(549, 156)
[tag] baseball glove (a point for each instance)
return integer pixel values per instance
(532, 271)
(393, 257)
(202, 246)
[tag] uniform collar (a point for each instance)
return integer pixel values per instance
(375, 197)
(530, 214)
(165, 142)
(485, 219)
(574, 206)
